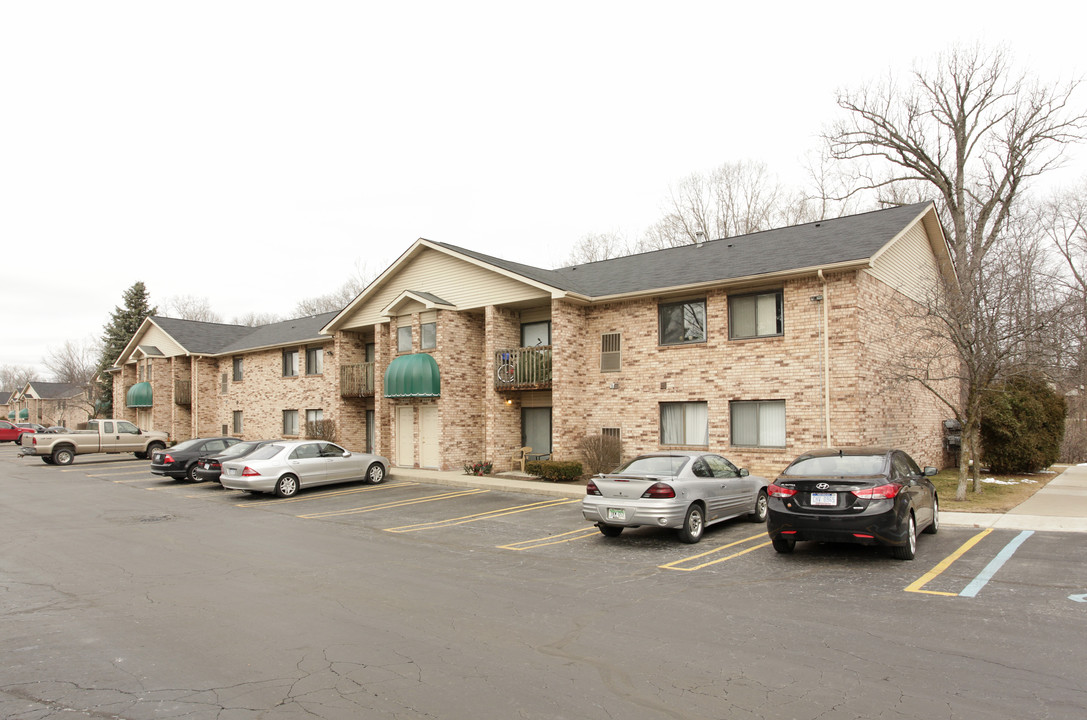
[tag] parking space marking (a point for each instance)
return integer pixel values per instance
(482, 516)
(995, 564)
(130, 472)
(944, 564)
(565, 537)
(675, 565)
(391, 504)
(318, 496)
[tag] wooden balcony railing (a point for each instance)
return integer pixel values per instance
(357, 380)
(183, 392)
(527, 368)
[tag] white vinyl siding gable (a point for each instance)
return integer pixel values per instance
(157, 338)
(907, 264)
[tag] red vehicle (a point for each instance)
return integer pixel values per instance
(11, 432)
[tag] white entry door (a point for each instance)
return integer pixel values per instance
(429, 457)
(405, 436)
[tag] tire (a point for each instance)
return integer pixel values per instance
(153, 448)
(287, 486)
(63, 456)
(783, 545)
(375, 474)
(934, 526)
(693, 525)
(907, 551)
(610, 530)
(140, 455)
(47, 460)
(761, 503)
(190, 473)
(505, 373)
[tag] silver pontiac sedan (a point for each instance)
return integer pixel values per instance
(285, 466)
(685, 491)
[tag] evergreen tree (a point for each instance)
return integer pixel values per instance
(123, 324)
(1022, 426)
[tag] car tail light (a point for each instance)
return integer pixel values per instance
(249, 472)
(33, 440)
(777, 491)
(168, 459)
(882, 491)
(659, 490)
(213, 464)
(592, 489)
(864, 536)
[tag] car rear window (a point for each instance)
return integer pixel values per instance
(654, 465)
(263, 453)
(837, 466)
(187, 444)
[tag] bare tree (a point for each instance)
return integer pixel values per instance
(74, 362)
(975, 132)
(595, 247)
(191, 307)
(15, 377)
(256, 319)
(337, 299)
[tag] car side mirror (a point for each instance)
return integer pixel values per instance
(930, 471)
(744, 472)
(347, 453)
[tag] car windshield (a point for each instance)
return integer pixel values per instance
(263, 453)
(654, 465)
(837, 466)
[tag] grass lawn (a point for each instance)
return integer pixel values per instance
(1000, 494)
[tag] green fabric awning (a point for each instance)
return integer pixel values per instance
(11, 415)
(139, 395)
(413, 376)
(24, 414)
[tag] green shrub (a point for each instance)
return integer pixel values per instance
(479, 467)
(555, 470)
(1022, 426)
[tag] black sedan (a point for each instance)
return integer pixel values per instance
(209, 467)
(179, 461)
(871, 496)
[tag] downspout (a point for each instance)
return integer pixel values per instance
(826, 356)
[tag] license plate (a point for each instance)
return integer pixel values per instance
(232, 471)
(617, 514)
(824, 499)
(207, 466)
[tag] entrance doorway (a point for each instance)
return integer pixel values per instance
(536, 429)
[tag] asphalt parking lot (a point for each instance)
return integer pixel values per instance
(129, 595)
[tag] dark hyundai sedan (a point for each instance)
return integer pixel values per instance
(871, 496)
(179, 461)
(209, 467)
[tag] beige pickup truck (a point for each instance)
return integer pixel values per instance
(101, 436)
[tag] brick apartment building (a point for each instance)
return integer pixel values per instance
(758, 347)
(50, 403)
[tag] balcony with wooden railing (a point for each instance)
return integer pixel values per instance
(357, 380)
(527, 368)
(183, 392)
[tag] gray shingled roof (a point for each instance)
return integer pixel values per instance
(827, 242)
(56, 391)
(216, 338)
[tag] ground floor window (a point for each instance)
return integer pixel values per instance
(238, 421)
(369, 431)
(759, 423)
(290, 422)
(685, 423)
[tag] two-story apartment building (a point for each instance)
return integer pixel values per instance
(51, 403)
(759, 347)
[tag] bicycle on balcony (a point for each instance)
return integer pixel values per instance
(506, 371)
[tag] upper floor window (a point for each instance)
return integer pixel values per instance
(534, 334)
(237, 369)
(403, 339)
(682, 322)
(290, 363)
(315, 360)
(428, 336)
(371, 352)
(759, 315)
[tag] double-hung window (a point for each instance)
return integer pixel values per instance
(290, 422)
(685, 423)
(759, 423)
(682, 322)
(758, 315)
(428, 336)
(290, 363)
(403, 339)
(237, 422)
(237, 369)
(315, 361)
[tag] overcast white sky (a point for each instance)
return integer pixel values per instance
(255, 152)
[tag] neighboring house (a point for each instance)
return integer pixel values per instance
(758, 347)
(193, 379)
(50, 403)
(6, 407)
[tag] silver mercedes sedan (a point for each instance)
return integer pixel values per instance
(285, 466)
(685, 491)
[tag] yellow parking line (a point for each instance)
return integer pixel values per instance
(551, 539)
(318, 496)
(944, 564)
(482, 516)
(391, 504)
(714, 551)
